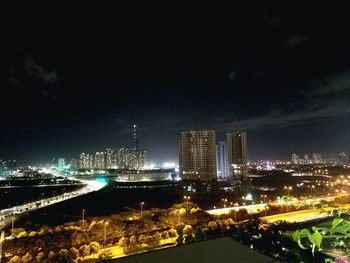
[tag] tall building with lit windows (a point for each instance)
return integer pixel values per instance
(61, 164)
(100, 160)
(110, 158)
(295, 158)
(222, 161)
(122, 158)
(198, 155)
(237, 154)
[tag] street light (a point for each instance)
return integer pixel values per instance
(288, 188)
(104, 240)
(12, 224)
(264, 197)
(83, 217)
(312, 187)
(142, 203)
(186, 197)
(224, 200)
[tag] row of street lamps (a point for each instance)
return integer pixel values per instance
(105, 223)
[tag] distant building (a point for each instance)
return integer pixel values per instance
(222, 161)
(74, 164)
(316, 158)
(122, 158)
(110, 159)
(237, 154)
(198, 155)
(295, 158)
(61, 164)
(8, 166)
(100, 160)
(127, 175)
(86, 161)
(343, 158)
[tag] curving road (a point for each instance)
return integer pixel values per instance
(9, 214)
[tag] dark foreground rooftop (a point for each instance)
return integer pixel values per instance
(223, 250)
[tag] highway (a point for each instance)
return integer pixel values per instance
(6, 215)
(297, 216)
(302, 215)
(251, 209)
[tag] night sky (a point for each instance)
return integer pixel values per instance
(76, 78)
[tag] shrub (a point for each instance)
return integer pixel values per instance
(212, 225)
(15, 259)
(173, 233)
(27, 258)
(33, 233)
(51, 255)
(22, 234)
(40, 257)
(122, 242)
(105, 255)
(84, 250)
(94, 247)
(73, 253)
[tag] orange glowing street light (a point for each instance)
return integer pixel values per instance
(83, 217)
(141, 204)
(264, 197)
(312, 187)
(187, 197)
(288, 188)
(224, 200)
(104, 232)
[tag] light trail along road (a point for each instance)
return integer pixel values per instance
(9, 214)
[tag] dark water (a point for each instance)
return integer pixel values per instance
(107, 201)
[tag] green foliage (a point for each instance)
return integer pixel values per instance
(337, 235)
(199, 234)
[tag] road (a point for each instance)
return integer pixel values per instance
(251, 209)
(9, 214)
(303, 215)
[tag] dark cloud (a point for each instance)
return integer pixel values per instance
(317, 103)
(334, 84)
(36, 70)
(232, 75)
(295, 40)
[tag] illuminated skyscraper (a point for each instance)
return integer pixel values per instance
(110, 158)
(343, 158)
(61, 164)
(198, 155)
(316, 158)
(136, 141)
(237, 154)
(222, 161)
(100, 160)
(295, 158)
